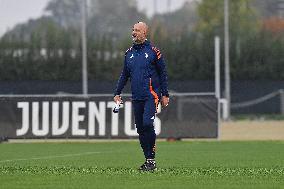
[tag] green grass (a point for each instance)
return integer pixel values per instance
(114, 165)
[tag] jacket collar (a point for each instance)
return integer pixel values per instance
(140, 46)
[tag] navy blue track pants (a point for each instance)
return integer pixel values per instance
(144, 113)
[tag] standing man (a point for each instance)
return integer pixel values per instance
(145, 66)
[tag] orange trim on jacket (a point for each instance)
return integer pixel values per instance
(158, 52)
(154, 94)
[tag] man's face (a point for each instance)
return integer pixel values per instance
(138, 33)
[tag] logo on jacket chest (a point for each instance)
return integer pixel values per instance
(146, 55)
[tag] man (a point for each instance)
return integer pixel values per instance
(145, 66)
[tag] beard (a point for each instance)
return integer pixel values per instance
(137, 40)
(134, 39)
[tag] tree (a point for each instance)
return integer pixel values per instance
(67, 13)
(244, 25)
(113, 18)
(266, 8)
(177, 22)
(274, 25)
(242, 17)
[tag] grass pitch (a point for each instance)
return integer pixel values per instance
(192, 164)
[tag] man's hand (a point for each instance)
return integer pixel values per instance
(117, 98)
(165, 101)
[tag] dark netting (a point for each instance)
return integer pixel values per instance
(78, 117)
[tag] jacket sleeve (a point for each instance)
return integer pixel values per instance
(122, 79)
(162, 72)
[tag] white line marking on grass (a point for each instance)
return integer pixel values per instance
(52, 157)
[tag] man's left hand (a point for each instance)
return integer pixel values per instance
(165, 101)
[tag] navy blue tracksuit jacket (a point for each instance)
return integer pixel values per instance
(145, 66)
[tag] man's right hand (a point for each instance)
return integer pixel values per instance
(117, 98)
